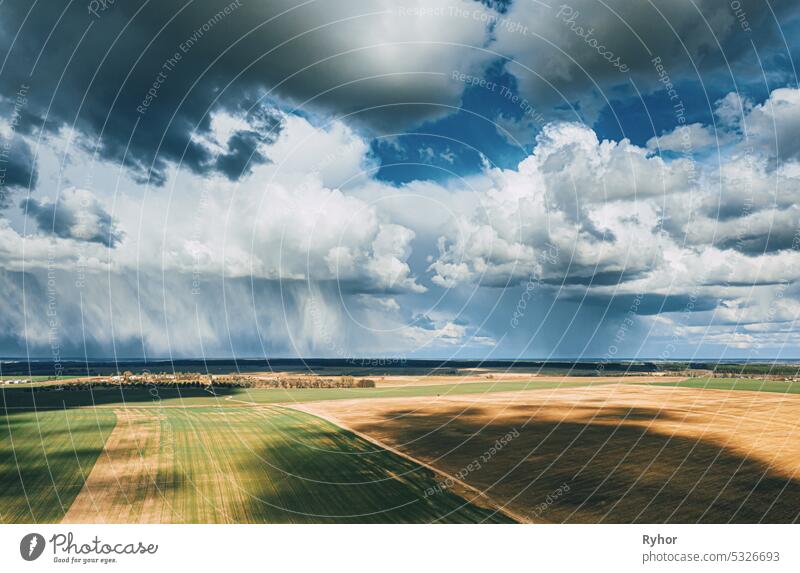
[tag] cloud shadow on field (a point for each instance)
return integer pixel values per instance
(27, 399)
(44, 461)
(617, 468)
(307, 470)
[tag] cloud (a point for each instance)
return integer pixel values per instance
(608, 225)
(289, 222)
(517, 131)
(444, 334)
(17, 167)
(242, 154)
(754, 234)
(731, 109)
(76, 214)
(747, 201)
(571, 211)
(585, 51)
(773, 125)
(141, 82)
(272, 233)
(687, 138)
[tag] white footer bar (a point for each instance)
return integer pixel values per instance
(403, 548)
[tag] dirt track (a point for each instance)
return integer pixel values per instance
(625, 453)
(121, 487)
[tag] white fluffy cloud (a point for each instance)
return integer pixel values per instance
(309, 255)
(774, 124)
(691, 137)
(288, 221)
(575, 206)
(602, 219)
(321, 257)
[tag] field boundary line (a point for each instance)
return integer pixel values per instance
(495, 505)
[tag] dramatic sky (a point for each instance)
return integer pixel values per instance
(441, 178)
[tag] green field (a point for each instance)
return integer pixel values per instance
(208, 465)
(18, 398)
(44, 457)
(138, 454)
(217, 459)
(748, 384)
(32, 378)
(273, 465)
(279, 396)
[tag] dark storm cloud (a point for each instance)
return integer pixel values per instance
(583, 51)
(17, 168)
(651, 303)
(76, 215)
(147, 315)
(755, 244)
(602, 278)
(139, 79)
(241, 156)
(135, 79)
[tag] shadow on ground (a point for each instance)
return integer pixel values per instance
(616, 469)
(27, 399)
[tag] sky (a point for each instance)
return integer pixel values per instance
(440, 179)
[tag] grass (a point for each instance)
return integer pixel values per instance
(40, 381)
(288, 466)
(278, 396)
(220, 461)
(33, 378)
(44, 457)
(748, 384)
(205, 464)
(265, 465)
(21, 399)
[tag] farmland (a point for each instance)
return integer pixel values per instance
(44, 458)
(610, 453)
(412, 449)
(745, 384)
(207, 465)
(45, 399)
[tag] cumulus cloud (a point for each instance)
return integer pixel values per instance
(691, 137)
(745, 201)
(731, 109)
(612, 225)
(275, 236)
(75, 214)
(773, 125)
(446, 334)
(574, 208)
(289, 222)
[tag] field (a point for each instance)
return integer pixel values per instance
(209, 465)
(417, 449)
(611, 453)
(44, 459)
(44, 399)
(39, 380)
(747, 384)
